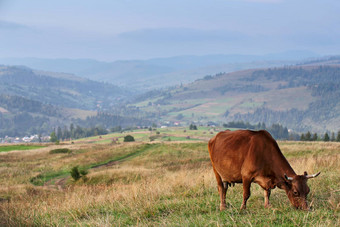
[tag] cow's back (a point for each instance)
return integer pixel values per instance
(233, 152)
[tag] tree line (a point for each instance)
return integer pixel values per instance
(308, 136)
(109, 120)
(280, 132)
(76, 132)
(276, 130)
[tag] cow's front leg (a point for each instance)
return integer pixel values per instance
(266, 198)
(246, 192)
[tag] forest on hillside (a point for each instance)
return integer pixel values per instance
(62, 89)
(25, 117)
(323, 83)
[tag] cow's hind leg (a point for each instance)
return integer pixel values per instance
(222, 190)
(266, 198)
(246, 192)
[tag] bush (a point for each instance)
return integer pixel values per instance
(129, 138)
(153, 138)
(60, 151)
(192, 127)
(76, 174)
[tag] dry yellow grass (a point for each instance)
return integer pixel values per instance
(165, 184)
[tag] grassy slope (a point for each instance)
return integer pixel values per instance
(204, 100)
(227, 97)
(167, 183)
(7, 148)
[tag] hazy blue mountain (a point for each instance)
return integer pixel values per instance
(159, 72)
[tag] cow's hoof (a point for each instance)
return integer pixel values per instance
(243, 207)
(268, 206)
(223, 207)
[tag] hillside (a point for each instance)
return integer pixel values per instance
(20, 116)
(59, 89)
(302, 98)
(35, 102)
(144, 75)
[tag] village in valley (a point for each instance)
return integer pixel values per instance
(25, 139)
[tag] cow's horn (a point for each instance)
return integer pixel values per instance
(312, 176)
(288, 178)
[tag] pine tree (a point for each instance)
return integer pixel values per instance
(315, 137)
(326, 137)
(72, 131)
(308, 136)
(338, 137)
(66, 133)
(302, 137)
(333, 136)
(59, 133)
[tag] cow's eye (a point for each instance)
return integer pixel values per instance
(295, 193)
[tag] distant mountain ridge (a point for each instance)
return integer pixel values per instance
(301, 97)
(157, 73)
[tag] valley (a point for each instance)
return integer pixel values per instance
(302, 97)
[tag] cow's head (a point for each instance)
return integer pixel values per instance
(297, 189)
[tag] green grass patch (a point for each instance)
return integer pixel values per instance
(176, 138)
(126, 157)
(19, 147)
(42, 178)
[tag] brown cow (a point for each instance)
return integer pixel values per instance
(246, 156)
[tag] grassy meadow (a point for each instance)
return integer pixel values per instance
(155, 183)
(19, 147)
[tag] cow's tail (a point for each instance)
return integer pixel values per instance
(220, 182)
(211, 146)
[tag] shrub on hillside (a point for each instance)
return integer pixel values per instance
(60, 151)
(76, 174)
(129, 138)
(192, 127)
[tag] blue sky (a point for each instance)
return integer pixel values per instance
(141, 29)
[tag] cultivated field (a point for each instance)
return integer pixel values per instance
(167, 183)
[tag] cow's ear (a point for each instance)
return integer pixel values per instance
(287, 185)
(280, 184)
